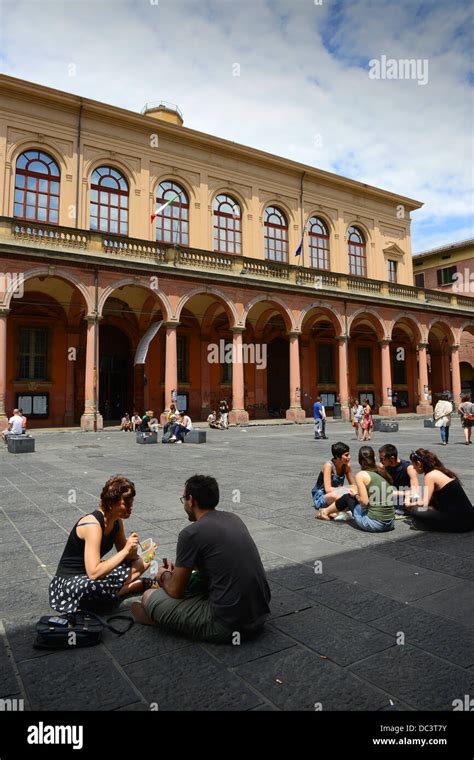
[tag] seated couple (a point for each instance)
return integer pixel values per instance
(370, 500)
(209, 593)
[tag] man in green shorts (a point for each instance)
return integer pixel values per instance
(227, 598)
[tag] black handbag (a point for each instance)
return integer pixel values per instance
(76, 629)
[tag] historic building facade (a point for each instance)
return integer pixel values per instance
(450, 268)
(85, 272)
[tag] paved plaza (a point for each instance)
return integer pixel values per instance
(335, 637)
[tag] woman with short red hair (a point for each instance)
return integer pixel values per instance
(82, 574)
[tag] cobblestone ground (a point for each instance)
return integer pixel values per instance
(332, 637)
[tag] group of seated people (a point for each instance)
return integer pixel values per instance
(16, 425)
(135, 423)
(382, 492)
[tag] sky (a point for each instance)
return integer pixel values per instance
(316, 81)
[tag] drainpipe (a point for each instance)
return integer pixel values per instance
(79, 124)
(347, 359)
(96, 325)
(302, 217)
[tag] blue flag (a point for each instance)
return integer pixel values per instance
(300, 247)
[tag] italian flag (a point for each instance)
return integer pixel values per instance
(160, 208)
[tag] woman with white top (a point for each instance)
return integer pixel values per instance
(442, 417)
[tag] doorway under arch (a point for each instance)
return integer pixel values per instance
(278, 377)
(115, 373)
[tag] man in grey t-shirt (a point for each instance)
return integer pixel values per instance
(217, 589)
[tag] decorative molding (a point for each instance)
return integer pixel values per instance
(138, 191)
(40, 137)
(197, 205)
(69, 177)
(394, 250)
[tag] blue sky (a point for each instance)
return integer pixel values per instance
(303, 89)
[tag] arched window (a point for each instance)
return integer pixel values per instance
(37, 187)
(357, 252)
(109, 201)
(318, 243)
(276, 235)
(172, 223)
(227, 225)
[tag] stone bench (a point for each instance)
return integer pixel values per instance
(195, 436)
(21, 444)
(147, 437)
(386, 426)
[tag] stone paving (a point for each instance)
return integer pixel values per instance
(332, 637)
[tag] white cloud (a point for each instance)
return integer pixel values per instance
(303, 73)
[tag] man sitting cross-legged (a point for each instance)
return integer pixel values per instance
(229, 594)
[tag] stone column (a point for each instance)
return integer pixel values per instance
(238, 415)
(171, 365)
(455, 375)
(3, 366)
(91, 414)
(205, 379)
(295, 412)
(424, 406)
(387, 409)
(72, 346)
(343, 384)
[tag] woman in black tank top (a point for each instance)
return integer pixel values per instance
(81, 573)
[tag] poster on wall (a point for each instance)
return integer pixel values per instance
(40, 405)
(182, 402)
(25, 403)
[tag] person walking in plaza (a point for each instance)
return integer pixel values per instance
(442, 417)
(367, 422)
(326, 490)
(228, 601)
(466, 412)
(373, 505)
(445, 507)
(318, 413)
(81, 573)
(357, 412)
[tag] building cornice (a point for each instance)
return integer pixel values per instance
(67, 101)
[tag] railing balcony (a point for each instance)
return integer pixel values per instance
(88, 243)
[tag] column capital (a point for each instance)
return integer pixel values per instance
(422, 345)
(294, 333)
(238, 330)
(342, 338)
(4, 313)
(385, 342)
(91, 319)
(454, 347)
(171, 325)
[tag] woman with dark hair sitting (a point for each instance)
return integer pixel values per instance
(446, 506)
(81, 573)
(373, 508)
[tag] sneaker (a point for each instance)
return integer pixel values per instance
(343, 517)
(173, 438)
(400, 515)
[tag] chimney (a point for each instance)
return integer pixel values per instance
(163, 111)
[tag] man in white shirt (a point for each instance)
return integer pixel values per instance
(15, 426)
